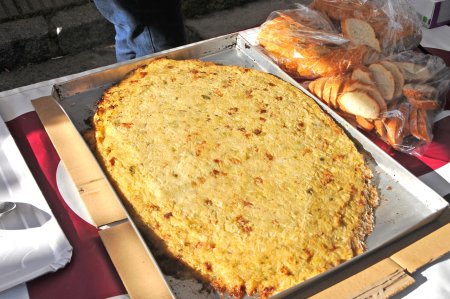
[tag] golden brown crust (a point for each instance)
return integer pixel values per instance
(230, 169)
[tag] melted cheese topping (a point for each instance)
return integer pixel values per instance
(242, 176)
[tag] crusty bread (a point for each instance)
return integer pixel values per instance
(360, 33)
(327, 90)
(380, 128)
(318, 88)
(337, 89)
(363, 74)
(384, 80)
(413, 128)
(424, 104)
(364, 123)
(423, 127)
(413, 72)
(399, 79)
(340, 10)
(372, 90)
(420, 91)
(393, 131)
(419, 126)
(422, 96)
(359, 102)
(404, 110)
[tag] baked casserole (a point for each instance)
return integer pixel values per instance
(235, 173)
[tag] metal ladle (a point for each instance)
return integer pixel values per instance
(6, 207)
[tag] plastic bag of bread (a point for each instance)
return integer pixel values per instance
(307, 45)
(387, 26)
(396, 97)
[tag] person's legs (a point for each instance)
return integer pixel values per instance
(143, 27)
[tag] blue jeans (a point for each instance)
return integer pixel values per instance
(144, 27)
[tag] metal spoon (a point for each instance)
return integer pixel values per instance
(6, 207)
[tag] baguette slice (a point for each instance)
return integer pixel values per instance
(366, 124)
(360, 33)
(359, 102)
(379, 128)
(317, 87)
(337, 89)
(312, 85)
(393, 131)
(423, 129)
(399, 79)
(424, 104)
(422, 96)
(413, 72)
(384, 80)
(420, 91)
(413, 123)
(404, 109)
(372, 90)
(327, 90)
(363, 74)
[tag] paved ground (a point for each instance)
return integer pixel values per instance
(75, 34)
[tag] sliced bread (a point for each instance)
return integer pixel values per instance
(413, 72)
(363, 74)
(384, 80)
(422, 96)
(372, 90)
(379, 128)
(423, 128)
(365, 124)
(337, 89)
(393, 131)
(359, 102)
(327, 90)
(399, 79)
(413, 123)
(404, 109)
(420, 91)
(360, 33)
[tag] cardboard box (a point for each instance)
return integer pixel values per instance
(433, 13)
(386, 271)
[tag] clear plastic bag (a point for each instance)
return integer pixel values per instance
(395, 23)
(398, 104)
(307, 45)
(424, 93)
(333, 36)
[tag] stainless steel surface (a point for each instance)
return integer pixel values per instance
(406, 202)
(6, 207)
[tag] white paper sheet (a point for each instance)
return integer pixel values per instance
(437, 38)
(31, 241)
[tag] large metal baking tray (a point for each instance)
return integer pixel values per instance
(406, 202)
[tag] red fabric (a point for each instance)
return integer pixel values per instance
(90, 273)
